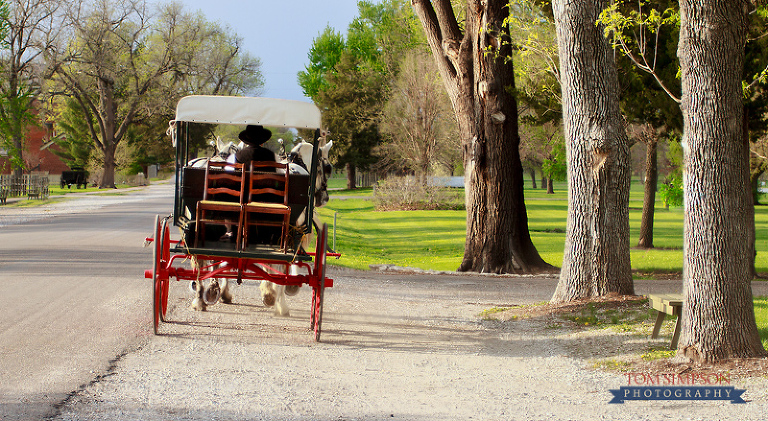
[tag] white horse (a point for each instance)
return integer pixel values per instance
(300, 160)
(225, 152)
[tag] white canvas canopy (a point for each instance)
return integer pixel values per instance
(248, 110)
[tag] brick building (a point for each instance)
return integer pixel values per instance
(36, 159)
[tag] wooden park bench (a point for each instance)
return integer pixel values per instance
(671, 304)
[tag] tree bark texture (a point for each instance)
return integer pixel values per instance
(649, 195)
(351, 176)
(718, 320)
(479, 78)
(596, 260)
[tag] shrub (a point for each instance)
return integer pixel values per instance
(408, 193)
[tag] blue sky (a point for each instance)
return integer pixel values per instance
(279, 32)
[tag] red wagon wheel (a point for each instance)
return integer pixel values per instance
(166, 257)
(160, 257)
(316, 318)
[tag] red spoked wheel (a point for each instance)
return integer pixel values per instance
(160, 257)
(316, 318)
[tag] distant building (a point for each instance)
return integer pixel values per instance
(36, 159)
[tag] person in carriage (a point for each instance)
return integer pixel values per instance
(253, 137)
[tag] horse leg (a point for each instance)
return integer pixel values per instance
(197, 288)
(197, 303)
(281, 306)
(292, 290)
(267, 293)
(226, 294)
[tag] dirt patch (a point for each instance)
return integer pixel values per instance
(613, 334)
(618, 302)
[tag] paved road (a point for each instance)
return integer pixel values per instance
(73, 297)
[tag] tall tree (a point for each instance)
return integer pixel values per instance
(352, 102)
(647, 134)
(718, 320)
(479, 79)
(210, 60)
(31, 28)
(374, 42)
(323, 55)
(124, 63)
(596, 260)
(111, 64)
(417, 118)
(646, 33)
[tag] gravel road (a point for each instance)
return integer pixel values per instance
(394, 346)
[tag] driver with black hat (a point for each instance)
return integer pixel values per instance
(254, 137)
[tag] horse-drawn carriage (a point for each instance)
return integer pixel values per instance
(242, 222)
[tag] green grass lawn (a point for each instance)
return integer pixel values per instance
(761, 316)
(55, 190)
(435, 239)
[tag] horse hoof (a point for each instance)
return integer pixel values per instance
(212, 294)
(197, 305)
(226, 298)
(292, 290)
(269, 300)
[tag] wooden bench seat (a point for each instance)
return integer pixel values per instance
(671, 304)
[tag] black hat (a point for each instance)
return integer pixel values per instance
(255, 135)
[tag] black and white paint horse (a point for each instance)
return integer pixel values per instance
(300, 159)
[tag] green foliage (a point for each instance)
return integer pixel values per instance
(349, 78)
(17, 90)
(148, 147)
(658, 354)
(623, 25)
(600, 314)
(323, 56)
(671, 191)
(352, 101)
(73, 138)
(16, 116)
(128, 68)
(532, 33)
(554, 166)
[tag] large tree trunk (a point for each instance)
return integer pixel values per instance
(479, 79)
(596, 260)
(351, 176)
(109, 167)
(649, 197)
(718, 320)
(533, 177)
